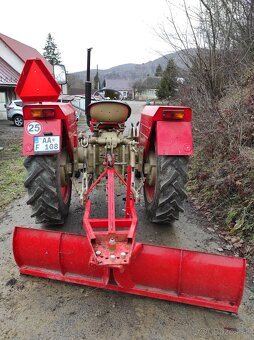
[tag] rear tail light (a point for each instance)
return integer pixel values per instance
(43, 113)
(173, 115)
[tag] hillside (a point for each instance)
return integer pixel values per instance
(131, 72)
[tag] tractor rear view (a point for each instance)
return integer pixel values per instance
(108, 256)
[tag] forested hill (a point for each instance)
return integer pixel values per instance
(130, 72)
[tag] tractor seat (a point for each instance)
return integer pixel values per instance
(109, 111)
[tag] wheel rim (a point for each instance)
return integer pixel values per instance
(151, 177)
(18, 121)
(65, 181)
(65, 192)
(149, 191)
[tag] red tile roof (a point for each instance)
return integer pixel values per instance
(23, 51)
(8, 76)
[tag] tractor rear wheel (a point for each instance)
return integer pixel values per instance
(49, 188)
(164, 188)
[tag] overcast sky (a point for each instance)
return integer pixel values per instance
(119, 31)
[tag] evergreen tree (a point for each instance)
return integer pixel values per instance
(158, 71)
(104, 83)
(51, 52)
(168, 84)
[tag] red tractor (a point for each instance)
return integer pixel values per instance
(108, 255)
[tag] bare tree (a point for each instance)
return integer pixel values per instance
(216, 40)
(215, 46)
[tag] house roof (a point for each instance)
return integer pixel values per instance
(23, 51)
(151, 82)
(8, 76)
(119, 84)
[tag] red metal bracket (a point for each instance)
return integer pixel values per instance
(111, 239)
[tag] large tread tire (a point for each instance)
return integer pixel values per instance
(50, 200)
(164, 201)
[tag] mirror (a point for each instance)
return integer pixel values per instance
(60, 74)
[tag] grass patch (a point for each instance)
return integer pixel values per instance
(12, 174)
(15, 148)
(240, 219)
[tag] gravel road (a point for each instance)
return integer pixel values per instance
(35, 308)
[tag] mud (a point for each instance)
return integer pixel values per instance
(34, 308)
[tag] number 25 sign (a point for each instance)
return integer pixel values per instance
(33, 128)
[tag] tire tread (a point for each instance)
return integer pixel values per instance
(41, 183)
(170, 189)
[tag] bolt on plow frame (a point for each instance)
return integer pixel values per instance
(108, 256)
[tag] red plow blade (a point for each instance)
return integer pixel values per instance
(190, 277)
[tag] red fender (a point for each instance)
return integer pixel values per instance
(172, 136)
(64, 120)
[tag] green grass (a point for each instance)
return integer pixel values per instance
(240, 218)
(15, 148)
(12, 174)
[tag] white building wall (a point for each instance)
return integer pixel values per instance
(10, 57)
(3, 114)
(148, 94)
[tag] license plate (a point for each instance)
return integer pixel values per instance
(47, 144)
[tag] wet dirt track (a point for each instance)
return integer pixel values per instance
(34, 308)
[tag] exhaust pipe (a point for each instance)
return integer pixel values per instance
(88, 85)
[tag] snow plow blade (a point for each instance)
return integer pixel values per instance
(190, 277)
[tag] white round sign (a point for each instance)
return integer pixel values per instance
(33, 128)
